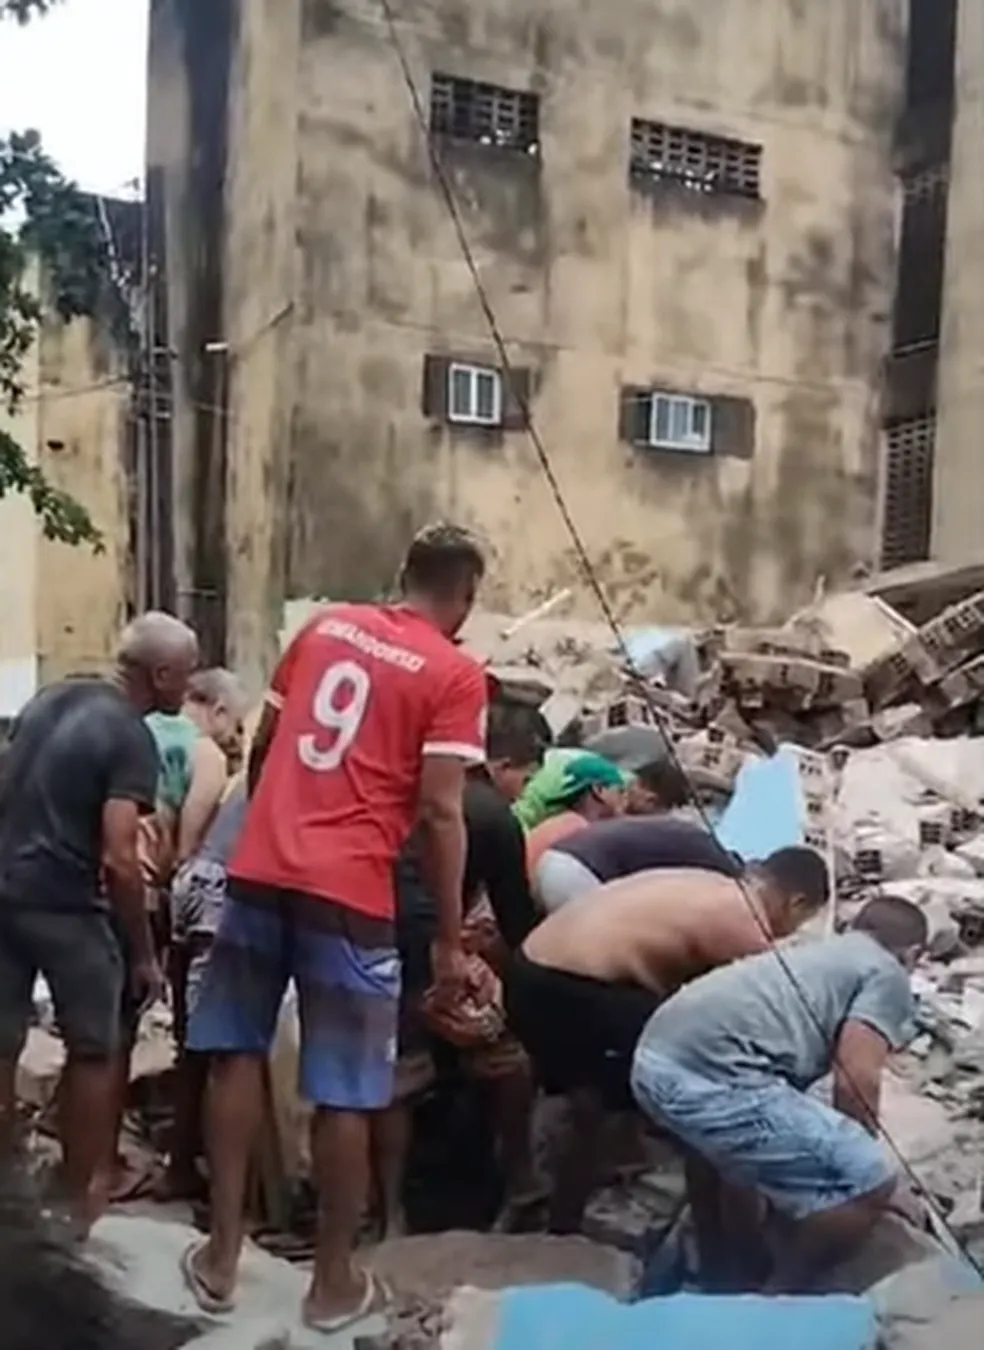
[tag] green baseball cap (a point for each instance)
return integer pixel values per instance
(583, 773)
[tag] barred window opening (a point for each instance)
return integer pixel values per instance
(907, 515)
(465, 110)
(694, 160)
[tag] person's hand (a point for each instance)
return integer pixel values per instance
(909, 1205)
(450, 969)
(146, 981)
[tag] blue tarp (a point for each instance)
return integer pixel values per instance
(572, 1317)
(766, 811)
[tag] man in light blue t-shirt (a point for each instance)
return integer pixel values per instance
(725, 1064)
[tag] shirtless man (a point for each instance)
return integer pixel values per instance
(587, 980)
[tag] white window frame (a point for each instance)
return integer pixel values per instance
(693, 443)
(472, 417)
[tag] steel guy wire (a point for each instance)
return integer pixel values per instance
(446, 191)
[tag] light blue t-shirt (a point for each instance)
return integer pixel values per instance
(752, 1018)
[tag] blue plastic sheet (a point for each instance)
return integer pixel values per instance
(766, 811)
(572, 1317)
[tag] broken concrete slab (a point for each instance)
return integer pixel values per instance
(918, 1300)
(892, 1246)
(919, 1128)
(864, 626)
(431, 1267)
(141, 1257)
(934, 1323)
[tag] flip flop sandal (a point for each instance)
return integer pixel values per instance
(136, 1184)
(375, 1301)
(206, 1299)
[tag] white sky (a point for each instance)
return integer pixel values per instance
(78, 76)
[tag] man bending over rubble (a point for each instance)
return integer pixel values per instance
(725, 1066)
(586, 981)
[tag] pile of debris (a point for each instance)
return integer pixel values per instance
(850, 670)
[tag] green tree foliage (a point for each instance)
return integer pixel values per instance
(42, 215)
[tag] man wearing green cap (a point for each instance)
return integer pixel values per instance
(587, 789)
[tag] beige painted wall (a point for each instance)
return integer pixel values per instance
(260, 295)
(19, 561)
(341, 270)
(83, 431)
(597, 288)
(958, 489)
(63, 606)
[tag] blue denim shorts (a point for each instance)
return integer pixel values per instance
(762, 1134)
(348, 990)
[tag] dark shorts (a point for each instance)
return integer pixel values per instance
(347, 973)
(579, 1032)
(130, 1008)
(80, 958)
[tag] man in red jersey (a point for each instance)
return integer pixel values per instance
(373, 717)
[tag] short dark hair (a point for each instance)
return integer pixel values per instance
(799, 871)
(512, 735)
(665, 780)
(896, 923)
(440, 559)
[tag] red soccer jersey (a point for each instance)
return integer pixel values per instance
(365, 692)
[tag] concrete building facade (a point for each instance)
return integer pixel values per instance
(958, 466)
(682, 219)
(63, 606)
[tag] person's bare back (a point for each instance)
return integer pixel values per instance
(656, 929)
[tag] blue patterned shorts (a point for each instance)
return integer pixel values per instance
(347, 973)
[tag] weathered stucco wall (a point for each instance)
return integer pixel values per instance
(341, 271)
(84, 428)
(63, 605)
(958, 489)
(260, 288)
(596, 287)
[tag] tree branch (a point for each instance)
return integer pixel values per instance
(25, 10)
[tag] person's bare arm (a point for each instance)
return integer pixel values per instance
(262, 740)
(209, 775)
(124, 882)
(859, 1062)
(442, 840)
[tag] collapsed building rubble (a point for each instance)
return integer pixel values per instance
(881, 715)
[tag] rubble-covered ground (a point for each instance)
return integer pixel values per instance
(885, 716)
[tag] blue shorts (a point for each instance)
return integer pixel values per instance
(347, 972)
(762, 1134)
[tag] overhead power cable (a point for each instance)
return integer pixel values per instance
(447, 194)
